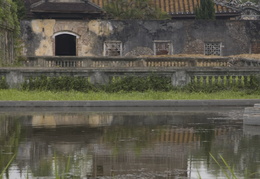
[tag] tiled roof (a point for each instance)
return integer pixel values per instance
(186, 6)
(76, 7)
(179, 7)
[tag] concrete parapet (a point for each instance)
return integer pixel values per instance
(14, 79)
(180, 78)
(99, 78)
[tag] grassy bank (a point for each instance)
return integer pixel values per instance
(151, 87)
(148, 95)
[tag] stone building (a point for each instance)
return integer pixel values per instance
(77, 28)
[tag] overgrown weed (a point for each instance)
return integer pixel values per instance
(127, 84)
(228, 170)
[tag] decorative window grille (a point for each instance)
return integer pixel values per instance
(212, 48)
(162, 47)
(113, 48)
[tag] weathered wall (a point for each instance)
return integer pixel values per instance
(187, 37)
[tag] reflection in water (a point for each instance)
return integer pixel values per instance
(125, 145)
(10, 133)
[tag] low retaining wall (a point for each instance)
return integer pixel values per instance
(179, 76)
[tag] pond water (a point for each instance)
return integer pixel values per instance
(127, 143)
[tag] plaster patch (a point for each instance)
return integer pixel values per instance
(45, 48)
(43, 26)
(86, 49)
(238, 34)
(194, 47)
(49, 27)
(69, 26)
(100, 28)
(139, 51)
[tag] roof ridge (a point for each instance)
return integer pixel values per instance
(227, 6)
(93, 4)
(37, 3)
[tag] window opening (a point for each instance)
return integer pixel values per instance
(212, 48)
(162, 47)
(113, 48)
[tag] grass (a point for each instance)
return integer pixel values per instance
(228, 170)
(6, 167)
(12, 94)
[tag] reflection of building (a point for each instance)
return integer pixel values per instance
(136, 145)
(52, 120)
(166, 153)
(253, 130)
(160, 159)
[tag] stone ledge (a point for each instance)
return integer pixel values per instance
(133, 103)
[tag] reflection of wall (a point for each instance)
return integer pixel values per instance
(54, 120)
(251, 130)
(5, 126)
(42, 145)
(107, 119)
(10, 133)
(134, 143)
(160, 159)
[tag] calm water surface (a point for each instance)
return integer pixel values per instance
(127, 143)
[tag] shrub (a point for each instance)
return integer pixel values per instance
(139, 83)
(3, 83)
(62, 83)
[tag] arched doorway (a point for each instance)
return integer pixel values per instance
(65, 44)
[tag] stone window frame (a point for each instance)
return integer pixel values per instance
(105, 53)
(162, 41)
(217, 48)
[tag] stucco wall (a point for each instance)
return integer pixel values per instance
(187, 37)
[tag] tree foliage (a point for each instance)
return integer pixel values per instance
(20, 9)
(11, 12)
(134, 9)
(8, 15)
(205, 10)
